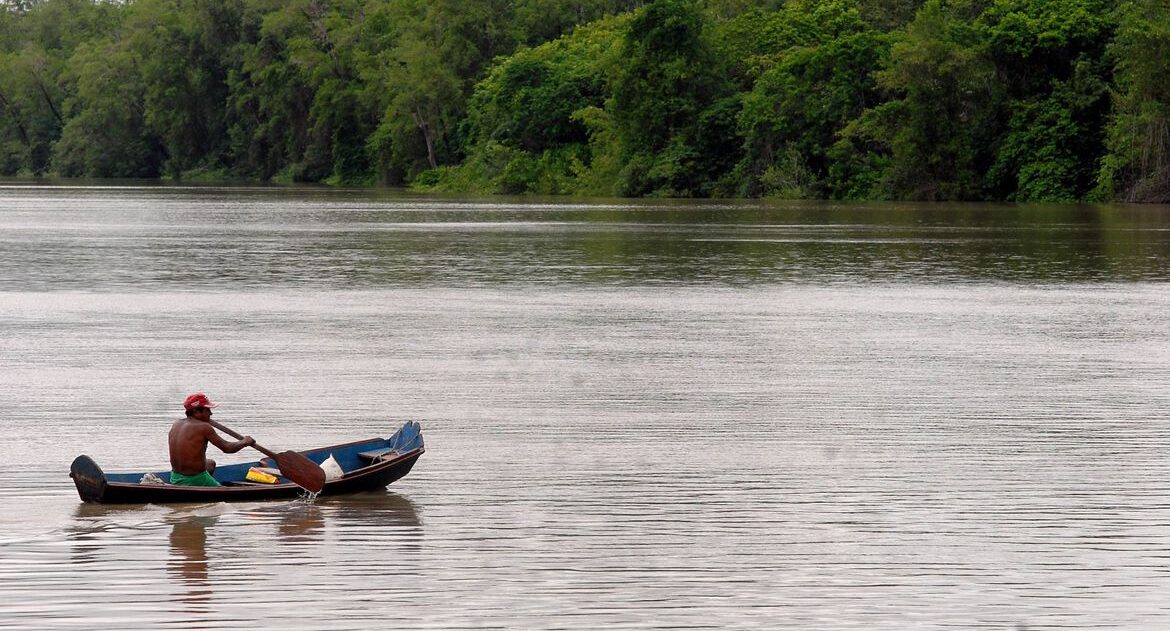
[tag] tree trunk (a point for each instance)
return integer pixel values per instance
(428, 136)
(15, 118)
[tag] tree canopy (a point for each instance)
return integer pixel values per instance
(1015, 100)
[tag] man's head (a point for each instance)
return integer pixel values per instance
(197, 404)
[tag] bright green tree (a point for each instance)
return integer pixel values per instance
(525, 126)
(813, 88)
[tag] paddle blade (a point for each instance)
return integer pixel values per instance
(301, 470)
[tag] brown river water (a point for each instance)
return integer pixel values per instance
(638, 415)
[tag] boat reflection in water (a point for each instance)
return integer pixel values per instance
(217, 553)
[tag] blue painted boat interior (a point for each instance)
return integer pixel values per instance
(407, 438)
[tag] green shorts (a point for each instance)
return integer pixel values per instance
(202, 478)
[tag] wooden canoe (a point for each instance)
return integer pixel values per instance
(367, 465)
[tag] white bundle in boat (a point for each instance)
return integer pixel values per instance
(151, 478)
(332, 470)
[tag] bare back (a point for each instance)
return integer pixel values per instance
(188, 445)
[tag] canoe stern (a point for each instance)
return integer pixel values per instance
(89, 478)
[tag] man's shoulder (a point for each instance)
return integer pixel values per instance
(190, 424)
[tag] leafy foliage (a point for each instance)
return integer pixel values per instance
(1136, 166)
(524, 129)
(893, 99)
(933, 130)
(1049, 55)
(798, 106)
(669, 77)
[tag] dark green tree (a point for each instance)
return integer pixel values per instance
(669, 78)
(186, 51)
(1049, 56)
(1137, 165)
(931, 141)
(428, 76)
(106, 134)
(540, 21)
(271, 94)
(36, 41)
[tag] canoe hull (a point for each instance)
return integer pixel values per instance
(362, 473)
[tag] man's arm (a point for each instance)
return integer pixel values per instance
(226, 447)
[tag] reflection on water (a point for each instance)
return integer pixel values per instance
(188, 562)
(304, 523)
(212, 554)
(130, 238)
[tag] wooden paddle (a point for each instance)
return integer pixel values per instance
(293, 465)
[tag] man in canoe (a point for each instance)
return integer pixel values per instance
(188, 440)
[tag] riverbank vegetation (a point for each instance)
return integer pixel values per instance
(842, 99)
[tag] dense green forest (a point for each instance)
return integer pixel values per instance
(840, 99)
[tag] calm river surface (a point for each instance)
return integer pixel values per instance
(667, 415)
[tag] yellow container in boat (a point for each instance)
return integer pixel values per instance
(257, 475)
